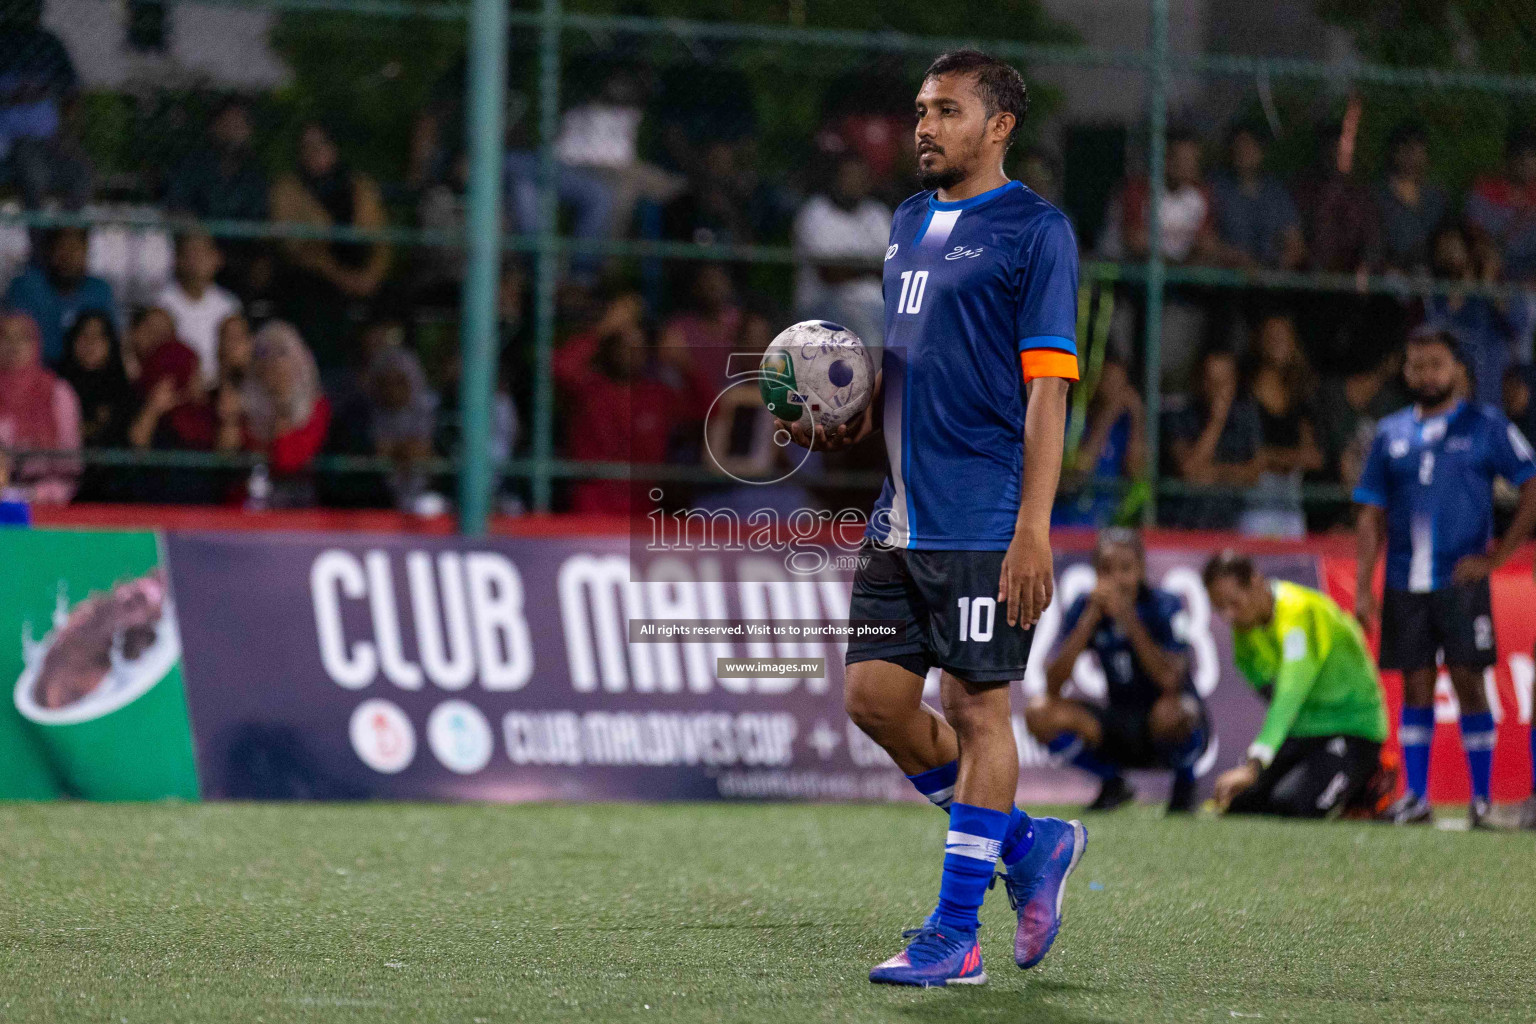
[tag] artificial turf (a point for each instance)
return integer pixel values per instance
(595, 913)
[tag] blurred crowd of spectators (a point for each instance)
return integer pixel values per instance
(300, 347)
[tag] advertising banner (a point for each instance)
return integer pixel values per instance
(440, 668)
(353, 666)
(90, 655)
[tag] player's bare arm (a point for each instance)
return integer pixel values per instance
(1476, 567)
(1166, 668)
(1060, 669)
(1027, 580)
(1370, 526)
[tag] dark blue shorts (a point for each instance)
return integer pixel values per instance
(947, 601)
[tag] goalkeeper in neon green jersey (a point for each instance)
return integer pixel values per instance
(1320, 745)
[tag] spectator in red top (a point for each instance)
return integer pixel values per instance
(38, 412)
(174, 410)
(1504, 206)
(615, 410)
(286, 415)
(699, 340)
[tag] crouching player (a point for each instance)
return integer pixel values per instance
(1320, 745)
(1153, 718)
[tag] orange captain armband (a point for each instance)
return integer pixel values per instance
(1048, 362)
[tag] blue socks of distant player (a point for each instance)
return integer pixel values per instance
(938, 785)
(1417, 729)
(971, 850)
(1477, 739)
(1069, 748)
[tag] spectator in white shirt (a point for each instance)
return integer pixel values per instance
(196, 304)
(845, 223)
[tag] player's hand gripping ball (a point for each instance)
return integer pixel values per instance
(819, 370)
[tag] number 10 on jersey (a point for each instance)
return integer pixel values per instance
(913, 283)
(976, 618)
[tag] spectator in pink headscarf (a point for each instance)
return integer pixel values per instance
(38, 412)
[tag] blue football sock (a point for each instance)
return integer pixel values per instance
(1417, 729)
(1020, 837)
(1477, 739)
(938, 784)
(1069, 748)
(970, 854)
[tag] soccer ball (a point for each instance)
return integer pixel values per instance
(819, 368)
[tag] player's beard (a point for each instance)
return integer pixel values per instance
(1430, 398)
(949, 177)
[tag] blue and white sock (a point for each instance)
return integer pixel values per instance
(1477, 739)
(970, 854)
(938, 785)
(1415, 733)
(1069, 748)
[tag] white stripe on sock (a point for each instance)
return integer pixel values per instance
(942, 797)
(963, 844)
(1415, 735)
(1479, 740)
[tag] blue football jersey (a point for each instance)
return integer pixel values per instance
(1128, 682)
(979, 293)
(1434, 477)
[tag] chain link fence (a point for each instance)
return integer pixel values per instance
(269, 203)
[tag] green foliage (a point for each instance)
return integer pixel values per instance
(1466, 128)
(1495, 36)
(364, 76)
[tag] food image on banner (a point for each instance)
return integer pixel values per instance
(96, 667)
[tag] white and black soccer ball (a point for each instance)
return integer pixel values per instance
(817, 368)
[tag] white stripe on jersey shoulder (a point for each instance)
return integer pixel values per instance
(939, 227)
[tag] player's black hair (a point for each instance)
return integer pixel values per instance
(1118, 537)
(1229, 563)
(1437, 337)
(998, 83)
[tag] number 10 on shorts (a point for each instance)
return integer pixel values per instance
(976, 616)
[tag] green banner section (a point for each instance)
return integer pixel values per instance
(92, 703)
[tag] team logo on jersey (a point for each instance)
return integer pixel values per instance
(1397, 449)
(960, 252)
(1459, 444)
(891, 251)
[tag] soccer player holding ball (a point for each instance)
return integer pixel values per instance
(1320, 744)
(1428, 485)
(980, 290)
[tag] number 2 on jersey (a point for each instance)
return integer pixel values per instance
(913, 284)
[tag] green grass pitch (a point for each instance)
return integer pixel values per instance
(470, 914)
